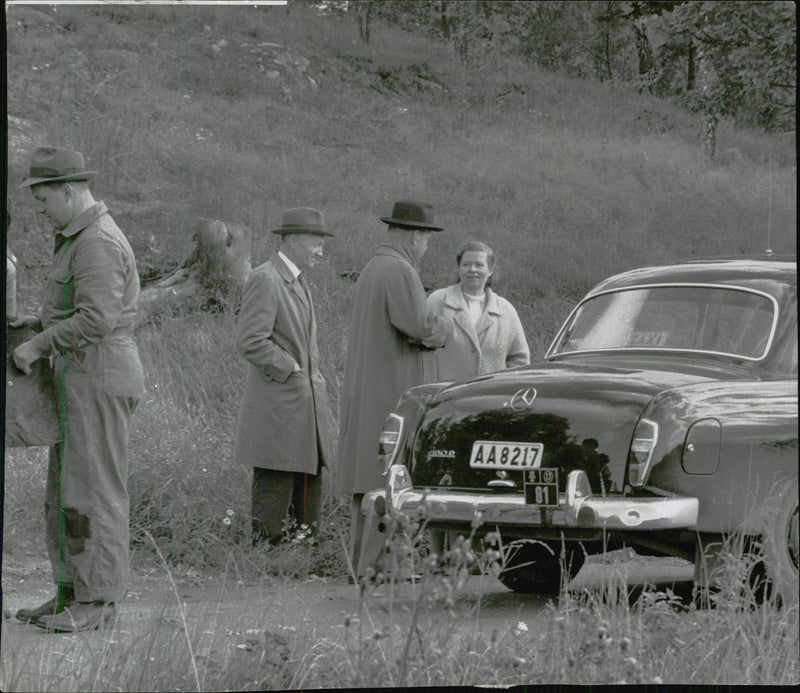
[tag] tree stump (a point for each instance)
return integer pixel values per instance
(211, 277)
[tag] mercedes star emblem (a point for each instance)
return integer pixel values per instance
(523, 398)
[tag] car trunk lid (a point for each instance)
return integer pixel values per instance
(582, 417)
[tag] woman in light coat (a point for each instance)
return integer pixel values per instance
(487, 334)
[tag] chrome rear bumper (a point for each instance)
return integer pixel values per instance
(577, 507)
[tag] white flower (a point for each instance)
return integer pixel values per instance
(519, 628)
(226, 520)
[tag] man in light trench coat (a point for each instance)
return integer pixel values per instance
(389, 349)
(85, 325)
(285, 425)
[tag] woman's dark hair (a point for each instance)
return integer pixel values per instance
(478, 247)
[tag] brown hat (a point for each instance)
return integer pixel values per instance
(54, 164)
(410, 214)
(302, 220)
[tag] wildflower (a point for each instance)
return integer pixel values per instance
(519, 628)
(226, 521)
(229, 512)
(492, 538)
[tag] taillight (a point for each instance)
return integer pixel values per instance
(644, 441)
(387, 443)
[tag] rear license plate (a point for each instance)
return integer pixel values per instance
(499, 455)
(541, 486)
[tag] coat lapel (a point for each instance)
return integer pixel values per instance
(489, 315)
(312, 328)
(289, 278)
(454, 300)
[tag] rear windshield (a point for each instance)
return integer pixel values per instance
(723, 320)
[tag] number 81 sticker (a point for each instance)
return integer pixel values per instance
(541, 486)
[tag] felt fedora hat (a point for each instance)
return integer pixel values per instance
(410, 214)
(302, 220)
(55, 164)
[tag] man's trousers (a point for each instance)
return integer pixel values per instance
(86, 503)
(278, 494)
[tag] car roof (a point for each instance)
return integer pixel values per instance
(711, 271)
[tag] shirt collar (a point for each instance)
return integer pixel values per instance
(84, 219)
(292, 267)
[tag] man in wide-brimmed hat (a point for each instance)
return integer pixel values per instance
(390, 338)
(285, 426)
(85, 325)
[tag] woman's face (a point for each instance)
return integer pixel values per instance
(474, 271)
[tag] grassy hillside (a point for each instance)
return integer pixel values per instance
(191, 111)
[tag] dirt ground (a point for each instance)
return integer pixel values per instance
(248, 629)
(317, 607)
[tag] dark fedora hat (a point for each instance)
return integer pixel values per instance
(410, 214)
(302, 220)
(55, 164)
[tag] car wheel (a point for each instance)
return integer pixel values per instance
(532, 567)
(780, 544)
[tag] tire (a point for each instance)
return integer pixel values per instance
(532, 567)
(780, 544)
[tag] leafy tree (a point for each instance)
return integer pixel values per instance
(637, 14)
(722, 58)
(746, 60)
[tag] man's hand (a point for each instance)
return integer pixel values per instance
(24, 355)
(29, 320)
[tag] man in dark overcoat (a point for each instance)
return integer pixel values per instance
(285, 425)
(389, 349)
(85, 325)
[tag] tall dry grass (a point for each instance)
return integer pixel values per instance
(433, 634)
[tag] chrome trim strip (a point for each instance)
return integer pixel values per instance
(732, 287)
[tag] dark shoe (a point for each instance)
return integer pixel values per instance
(64, 597)
(79, 617)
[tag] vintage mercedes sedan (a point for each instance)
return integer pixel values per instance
(663, 417)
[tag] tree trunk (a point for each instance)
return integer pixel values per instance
(363, 16)
(645, 53)
(607, 52)
(710, 133)
(212, 276)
